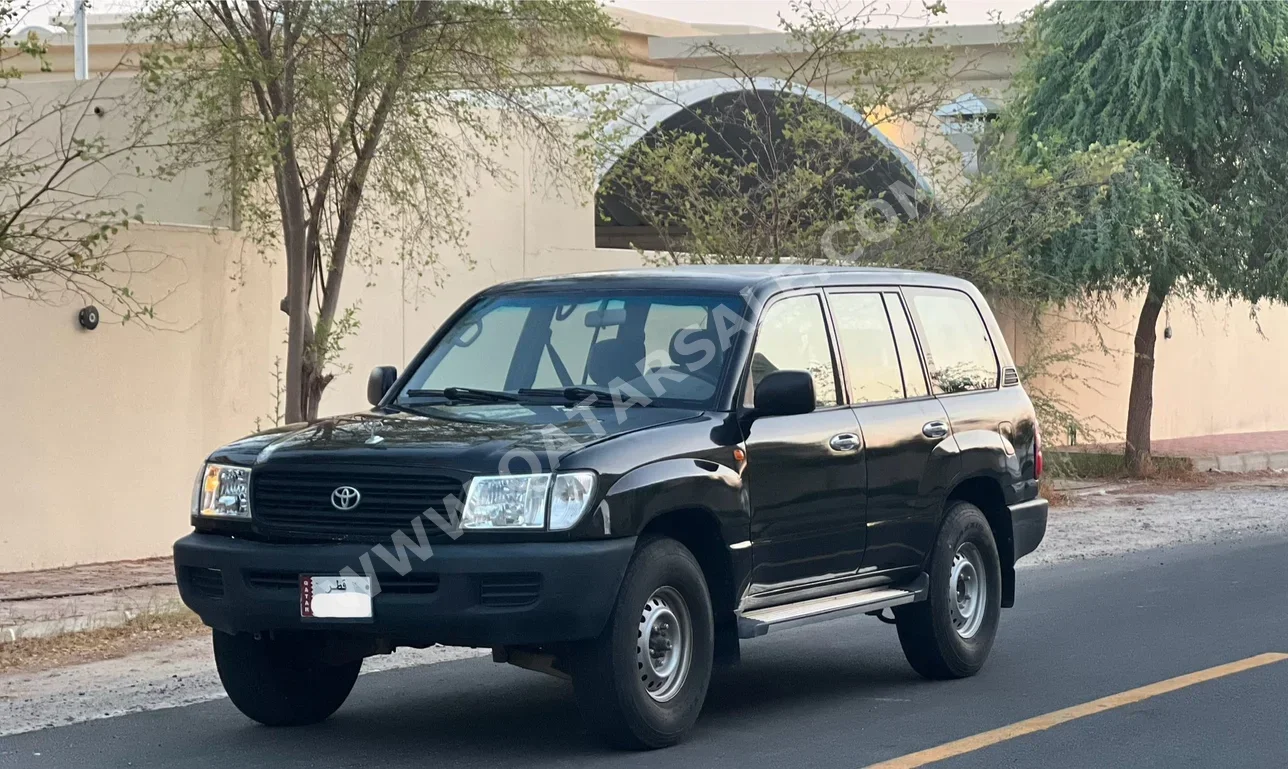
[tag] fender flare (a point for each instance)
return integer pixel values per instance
(641, 495)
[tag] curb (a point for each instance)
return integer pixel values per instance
(1249, 462)
(54, 627)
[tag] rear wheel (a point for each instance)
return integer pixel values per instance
(950, 634)
(642, 682)
(282, 681)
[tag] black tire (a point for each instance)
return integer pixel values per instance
(927, 633)
(611, 695)
(281, 682)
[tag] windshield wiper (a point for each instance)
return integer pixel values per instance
(404, 408)
(571, 394)
(466, 394)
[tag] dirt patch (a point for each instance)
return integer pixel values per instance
(1055, 496)
(147, 631)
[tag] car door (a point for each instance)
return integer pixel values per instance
(805, 472)
(908, 445)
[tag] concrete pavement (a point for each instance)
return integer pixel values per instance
(831, 695)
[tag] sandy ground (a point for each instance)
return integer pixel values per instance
(1098, 521)
(1117, 518)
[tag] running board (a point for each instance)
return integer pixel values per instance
(756, 623)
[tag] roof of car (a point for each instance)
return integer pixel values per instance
(763, 280)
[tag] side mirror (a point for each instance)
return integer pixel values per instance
(782, 393)
(381, 380)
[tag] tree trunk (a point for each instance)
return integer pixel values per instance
(1140, 403)
(299, 283)
(312, 384)
(297, 329)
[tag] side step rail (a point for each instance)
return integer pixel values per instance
(753, 624)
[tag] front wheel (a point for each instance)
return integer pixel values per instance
(950, 634)
(642, 682)
(281, 681)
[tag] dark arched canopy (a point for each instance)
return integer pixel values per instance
(720, 111)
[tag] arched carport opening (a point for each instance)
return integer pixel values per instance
(742, 120)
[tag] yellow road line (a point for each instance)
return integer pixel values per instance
(1041, 723)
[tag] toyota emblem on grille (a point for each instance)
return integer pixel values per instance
(345, 498)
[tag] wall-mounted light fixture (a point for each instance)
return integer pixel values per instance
(88, 317)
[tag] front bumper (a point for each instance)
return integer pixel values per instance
(1028, 525)
(462, 595)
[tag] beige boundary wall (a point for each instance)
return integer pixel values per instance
(103, 429)
(1222, 371)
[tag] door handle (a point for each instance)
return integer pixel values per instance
(935, 429)
(845, 442)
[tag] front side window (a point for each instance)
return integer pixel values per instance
(793, 337)
(652, 350)
(867, 347)
(959, 353)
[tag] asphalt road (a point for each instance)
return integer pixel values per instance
(831, 695)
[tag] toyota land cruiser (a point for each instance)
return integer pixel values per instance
(619, 477)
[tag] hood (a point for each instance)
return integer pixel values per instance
(474, 438)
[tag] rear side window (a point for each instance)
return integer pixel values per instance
(793, 337)
(959, 353)
(867, 347)
(914, 379)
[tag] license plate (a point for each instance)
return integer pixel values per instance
(335, 597)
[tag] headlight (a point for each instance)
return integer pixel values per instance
(506, 502)
(223, 491)
(526, 501)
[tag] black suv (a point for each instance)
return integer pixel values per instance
(618, 477)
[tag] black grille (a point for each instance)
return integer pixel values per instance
(509, 589)
(412, 584)
(1010, 377)
(273, 580)
(207, 582)
(294, 501)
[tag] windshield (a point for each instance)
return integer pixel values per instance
(645, 350)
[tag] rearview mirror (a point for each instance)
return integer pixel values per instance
(615, 316)
(380, 382)
(782, 393)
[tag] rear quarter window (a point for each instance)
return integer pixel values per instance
(959, 353)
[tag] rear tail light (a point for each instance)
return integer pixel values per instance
(1037, 451)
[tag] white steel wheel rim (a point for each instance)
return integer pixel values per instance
(664, 644)
(967, 591)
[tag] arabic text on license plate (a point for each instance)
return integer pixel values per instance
(335, 597)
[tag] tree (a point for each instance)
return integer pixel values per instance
(57, 233)
(337, 125)
(1200, 90)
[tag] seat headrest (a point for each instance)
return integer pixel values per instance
(694, 348)
(612, 359)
